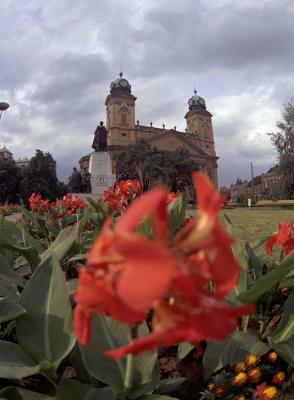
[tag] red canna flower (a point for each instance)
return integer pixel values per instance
(119, 279)
(127, 275)
(122, 193)
(284, 237)
(266, 392)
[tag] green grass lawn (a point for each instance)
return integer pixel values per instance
(255, 226)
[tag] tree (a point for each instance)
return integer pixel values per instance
(9, 182)
(40, 177)
(148, 165)
(283, 140)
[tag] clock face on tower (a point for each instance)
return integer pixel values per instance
(202, 102)
(124, 83)
(190, 102)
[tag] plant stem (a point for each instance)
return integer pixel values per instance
(129, 372)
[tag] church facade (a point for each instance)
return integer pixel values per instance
(123, 129)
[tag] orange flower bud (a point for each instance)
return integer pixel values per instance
(279, 377)
(240, 367)
(266, 392)
(254, 375)
(240, 397)
(240, 379)
(251, 360)
(285, 291)
(218, 390)
(272, 357)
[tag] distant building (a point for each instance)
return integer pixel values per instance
(265, 186)
(5, 154)
(22, 163)
(123, 129)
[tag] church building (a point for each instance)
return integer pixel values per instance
(123, 129)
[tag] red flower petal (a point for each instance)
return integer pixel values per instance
(140, 209)
(148, 272)
(209, 201)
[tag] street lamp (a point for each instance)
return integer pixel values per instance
(3, 107)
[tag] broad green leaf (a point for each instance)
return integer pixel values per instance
(157, 397)
(10, 310)
(62, 244)
(106, 334)
(268, 281)
(7, 271)
(8, 289)
(109, 334)
(176, 210)
(285, 329)
(70, 389)
(285, 350)
(45, 331)
(184, 349)
(16, 393)
(14, 362)
(30, 253)
(231, 351)
(21, 236)
(146, 375)
(170, 384)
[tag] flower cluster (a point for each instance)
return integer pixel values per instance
(256, 377)
(119, 196)
(70, 205)
(284, 237)
(183, 280)
(39, 205)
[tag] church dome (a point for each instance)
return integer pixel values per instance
(196, 102)
(120, 83)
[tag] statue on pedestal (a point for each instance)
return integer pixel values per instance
(75, 181)
(100, 138)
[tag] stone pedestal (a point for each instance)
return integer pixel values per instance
(101, 172)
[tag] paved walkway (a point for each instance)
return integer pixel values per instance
(14, 217)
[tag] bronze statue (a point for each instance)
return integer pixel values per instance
(100, 139)
(75, 181)
(86, 183)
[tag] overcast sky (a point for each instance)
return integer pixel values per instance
(58, 57)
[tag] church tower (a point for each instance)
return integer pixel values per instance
(199, 124)
(120, 114)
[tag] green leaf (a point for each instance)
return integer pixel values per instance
(106, 334)
(8, 289)
(30, 253)
(45, 331)
(231, 351)
(170, 384)
(14, 362)
(255, 263)
(176, 210)
(157, 397)
(10, 310)
(285, 329)
(62, 244)
(14, 393)
(146, 375)
(285, 350)
(109, 334)
(7, 271)
(184, 349)
(70, 389)
(268, 281)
